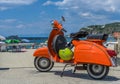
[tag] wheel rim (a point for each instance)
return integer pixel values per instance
(44, 63)
(97, 71)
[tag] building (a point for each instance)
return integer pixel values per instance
(116, 34)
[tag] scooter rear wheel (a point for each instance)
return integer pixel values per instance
(97, 71)
(43, 64)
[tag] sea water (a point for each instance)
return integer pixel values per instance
(39, 40)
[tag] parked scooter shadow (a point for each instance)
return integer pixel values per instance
(68, 73)
(84, 76)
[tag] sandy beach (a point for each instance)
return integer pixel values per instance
(20, 70)
(22, 59)
(17, 59)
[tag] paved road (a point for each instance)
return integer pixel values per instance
(32, 76)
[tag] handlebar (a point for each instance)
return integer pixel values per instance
(56, 25)
(64, 30)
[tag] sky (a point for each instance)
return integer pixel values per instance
(33, 17)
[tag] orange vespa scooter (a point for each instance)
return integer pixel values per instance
(90, 53)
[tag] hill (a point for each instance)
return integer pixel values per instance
(99, 29)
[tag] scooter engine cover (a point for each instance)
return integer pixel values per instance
(59, 42)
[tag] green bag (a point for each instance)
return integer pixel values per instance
(66, 54)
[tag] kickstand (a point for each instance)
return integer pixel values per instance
(74, 69)
(64, 69)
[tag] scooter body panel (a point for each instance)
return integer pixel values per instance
(53, 33)
(90, 52)
(41, 52)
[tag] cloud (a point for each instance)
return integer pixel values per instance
(20, 26)
(89, 9)
(2, 8)
(8, 20)
(17, 2)
(58, 3)
(81, 13)
(94, 5)
(85, 14)
(8, 4)
(11, 23)
(65, 4)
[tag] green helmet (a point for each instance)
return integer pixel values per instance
(66, 54)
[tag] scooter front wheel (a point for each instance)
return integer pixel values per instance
(97, 71)
(43, 64)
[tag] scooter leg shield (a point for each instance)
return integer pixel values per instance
(41, 52)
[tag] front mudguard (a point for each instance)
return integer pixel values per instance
(41, 52)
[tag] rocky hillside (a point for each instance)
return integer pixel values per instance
(107, 28)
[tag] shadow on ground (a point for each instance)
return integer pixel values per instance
(84, 76)
(4, 68)
(78, 75)
(67, 73)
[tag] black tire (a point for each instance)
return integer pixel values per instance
(97, 71)
(43, 64)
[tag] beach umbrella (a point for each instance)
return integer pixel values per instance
(25, 41)
(1, 43)
(2, 37)
(12, 41)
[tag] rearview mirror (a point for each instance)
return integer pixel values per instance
(63, 19)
